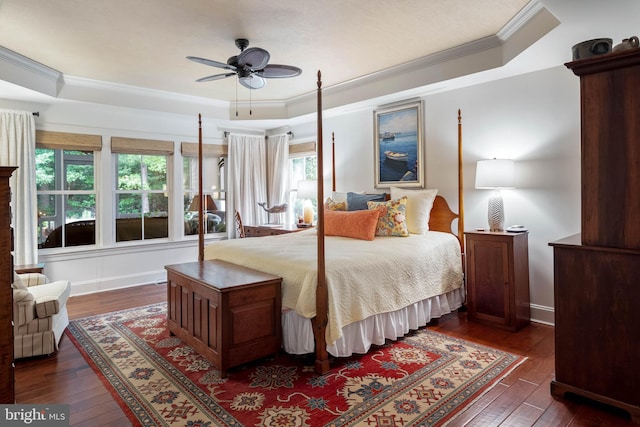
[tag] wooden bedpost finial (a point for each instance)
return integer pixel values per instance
(459, 116)
(319, 79)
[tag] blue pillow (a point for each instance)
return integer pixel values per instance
(358, 202)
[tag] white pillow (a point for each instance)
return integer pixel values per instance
(339, 197)
(419, 204)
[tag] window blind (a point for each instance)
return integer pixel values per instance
(140, 146)
(190, 149)
(304, 149)
(68, 141)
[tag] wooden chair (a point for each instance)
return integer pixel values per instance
(239, 226)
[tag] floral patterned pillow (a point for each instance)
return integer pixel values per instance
(392, 220)
(335, 206)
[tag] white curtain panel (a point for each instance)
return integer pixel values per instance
(18, 148)
(277, 172)
(247, 178)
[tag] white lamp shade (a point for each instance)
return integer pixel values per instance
(495, 174)
(307, 189)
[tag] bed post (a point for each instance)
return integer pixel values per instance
(201, 204)
(333, 161)
(321, 319)
(460, 188)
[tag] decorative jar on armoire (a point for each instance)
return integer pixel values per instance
(597, 272)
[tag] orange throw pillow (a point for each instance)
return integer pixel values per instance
(353, 224)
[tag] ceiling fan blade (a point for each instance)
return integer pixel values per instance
(254, 57)
(215, 77)
(252, 82)
(211, 63)
(276, 71)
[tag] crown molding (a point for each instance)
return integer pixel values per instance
(522, 18)
(101, 92)
(137, 91)
(27, 64)
(25, 72)
(527, 27)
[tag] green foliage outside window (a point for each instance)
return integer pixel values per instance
(141, 196)
(65, 194)
(141, 173)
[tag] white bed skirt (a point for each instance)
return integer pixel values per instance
(358, 337)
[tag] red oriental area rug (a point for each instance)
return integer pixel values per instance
(424, 379)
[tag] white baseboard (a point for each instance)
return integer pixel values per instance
(118, 282)
(542, 314)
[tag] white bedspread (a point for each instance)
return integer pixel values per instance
(364, 278)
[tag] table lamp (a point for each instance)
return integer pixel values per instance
(209, 204)
(306, 191)
(495, 174)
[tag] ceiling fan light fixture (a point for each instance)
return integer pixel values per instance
(252, 81)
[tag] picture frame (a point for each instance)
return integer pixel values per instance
(398, 145)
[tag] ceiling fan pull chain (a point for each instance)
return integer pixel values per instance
(236, 97)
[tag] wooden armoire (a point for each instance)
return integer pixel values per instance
(7, 390)
(597, 272)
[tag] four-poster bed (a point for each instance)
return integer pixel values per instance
(341, 295)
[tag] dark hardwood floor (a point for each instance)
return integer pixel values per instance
(521, 399)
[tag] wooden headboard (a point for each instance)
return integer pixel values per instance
(441, 218)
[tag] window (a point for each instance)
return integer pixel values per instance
(213, 187)
(142, 205)
(300, 169)
(65, 185)
(214, 191)
(141, 198)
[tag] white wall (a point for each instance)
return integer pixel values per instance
(533, 119)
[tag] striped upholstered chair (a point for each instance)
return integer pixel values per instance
(39, 314)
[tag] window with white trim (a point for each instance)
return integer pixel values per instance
(302, 167)
(214, 190)
(65, 189)
(141, 180)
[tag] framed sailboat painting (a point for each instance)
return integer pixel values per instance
(398, 153)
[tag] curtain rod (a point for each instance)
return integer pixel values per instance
(288, 133)
(227, 133)
(36, 113)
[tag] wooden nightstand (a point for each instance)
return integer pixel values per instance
(498, 278)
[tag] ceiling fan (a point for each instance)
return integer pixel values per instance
(251, 66)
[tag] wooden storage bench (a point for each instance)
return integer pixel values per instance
(228, 313)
